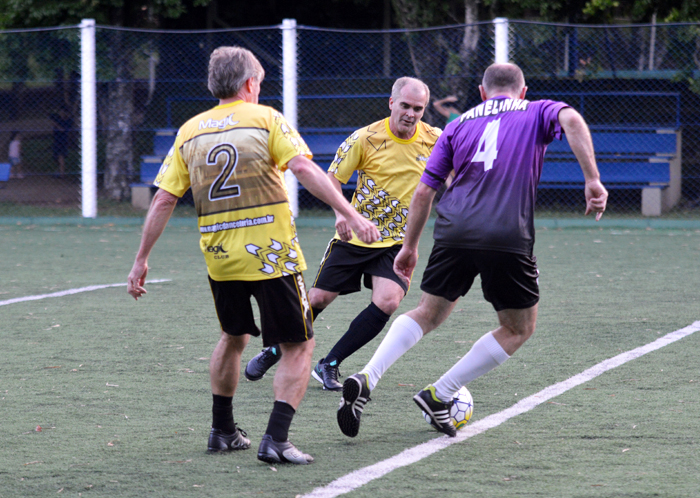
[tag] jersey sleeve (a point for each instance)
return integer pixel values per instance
(347, 159)
(439, 164)
(173, 175)
(285, 142)
(550, 118)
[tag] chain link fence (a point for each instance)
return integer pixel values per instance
(637, 86)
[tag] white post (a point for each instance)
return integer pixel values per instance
(501, 40)
(652, 41)
(289, 97)
(88, 118)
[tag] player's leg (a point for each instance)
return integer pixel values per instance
(444, 281)
(340, 272)
(490, 351)
(430, 314)
(258, 365)
(509, 282)
(386, 297)
(319, 299)
(286, 320)
(403, 334)
(232, 303)
(447, 276)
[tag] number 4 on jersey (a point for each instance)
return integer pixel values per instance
(489, 142)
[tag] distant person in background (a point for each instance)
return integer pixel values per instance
(448, 111)
(63, 122)
(14, 155)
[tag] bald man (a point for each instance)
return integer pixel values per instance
(485, 227)
(389, 157)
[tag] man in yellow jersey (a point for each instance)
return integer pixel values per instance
(389, 156)
(233, 157)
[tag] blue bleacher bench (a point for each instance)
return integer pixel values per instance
(163, 141)
(143, 190)
(324, 143)
(4, 173)
(639, 158)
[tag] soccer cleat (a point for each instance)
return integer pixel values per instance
(223, 441)
(438, 411)
(272, 451)
(327, 374)
(262, 362)
(355, 397)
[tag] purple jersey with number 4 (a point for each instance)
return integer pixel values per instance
(496, 150)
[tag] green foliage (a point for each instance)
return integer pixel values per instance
(37, 13)
(419, 14)
(687, 11)
(604, 7)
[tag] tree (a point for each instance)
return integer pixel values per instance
(118, 112)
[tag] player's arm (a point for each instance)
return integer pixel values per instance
(581, 143)
(318, 183)
(157, 218)
(418, 212)
(443, 109)
(341, 222)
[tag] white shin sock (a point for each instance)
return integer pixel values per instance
(485, 355)
(402, 336)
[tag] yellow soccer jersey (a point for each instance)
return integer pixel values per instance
(234, 157)
(389, 169)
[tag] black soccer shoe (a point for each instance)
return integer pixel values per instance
(223, 441)
(355, 397)
(262, 362)
(271, 451)
(327, 375)
(438, 411)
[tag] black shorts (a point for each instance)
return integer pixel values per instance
(508, 280)
(344, 264)
(285, 314)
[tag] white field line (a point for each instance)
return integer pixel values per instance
(407, 457)
(68, 292)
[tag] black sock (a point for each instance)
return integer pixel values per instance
(365, 327)
(223, 414)
(316, 311)
(280, 420)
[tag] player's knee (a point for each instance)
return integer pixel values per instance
(233, 343)
(319, 298)
(388, 304)
(298, 350)
(521, 330)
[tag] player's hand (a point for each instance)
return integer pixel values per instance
(596, 198)
(404, 264)
(364, 229)
(136, 280)
(343, 228)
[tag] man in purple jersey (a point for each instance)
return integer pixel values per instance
(485, 226)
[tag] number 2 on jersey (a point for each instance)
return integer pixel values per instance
(219, 190)
(489, 141)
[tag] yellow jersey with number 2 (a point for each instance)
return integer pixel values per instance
(234, 157)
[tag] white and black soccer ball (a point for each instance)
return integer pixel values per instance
(462, 408)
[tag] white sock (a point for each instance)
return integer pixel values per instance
(402, 336)
(485, 355)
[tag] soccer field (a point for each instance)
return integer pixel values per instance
(105, 396)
